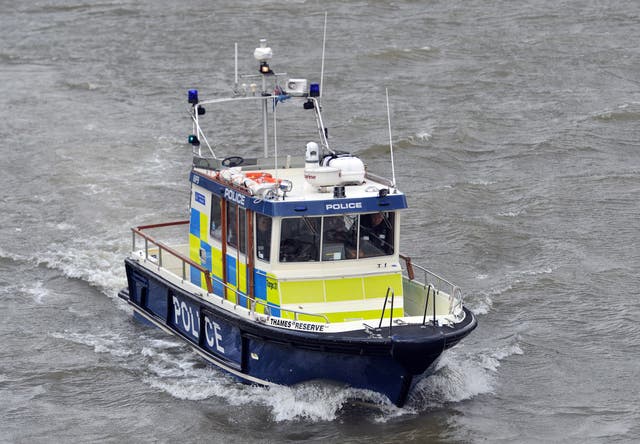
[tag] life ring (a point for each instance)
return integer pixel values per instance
(260, 177)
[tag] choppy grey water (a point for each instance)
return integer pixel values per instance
(516, 127)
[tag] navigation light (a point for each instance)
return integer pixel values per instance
(193, 140)
(264, 68)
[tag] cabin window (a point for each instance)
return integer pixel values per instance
(236, 227)
(263, 237)
(339, 237)
(345, 236)
(215, 229)
(242, 229)
(300, 239)
(376, 234)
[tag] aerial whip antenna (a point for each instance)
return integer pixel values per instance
(324, 40)
(236, 68)
(393, 169)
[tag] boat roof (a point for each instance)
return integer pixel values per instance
(372, 195)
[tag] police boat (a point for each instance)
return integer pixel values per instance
(288, 267)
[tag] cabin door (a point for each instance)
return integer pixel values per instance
(238, 267)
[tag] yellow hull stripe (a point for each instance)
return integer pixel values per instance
(346, 289)
(300, 292)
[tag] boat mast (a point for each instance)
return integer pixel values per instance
(265, 133)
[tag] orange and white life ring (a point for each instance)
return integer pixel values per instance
(260, 177)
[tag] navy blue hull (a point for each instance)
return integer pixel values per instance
(258, 353)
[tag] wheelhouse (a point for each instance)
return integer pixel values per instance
(334, 258)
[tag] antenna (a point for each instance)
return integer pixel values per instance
(275, 137)
(324, 40)
(393, 169)
(236, 78)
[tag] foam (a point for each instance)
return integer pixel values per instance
(37, 291)
(480, 307)
(110, 343)
(100, 268)
(460, 376)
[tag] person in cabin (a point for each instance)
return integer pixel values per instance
(263, 237)
(215, 230)
(377, 229)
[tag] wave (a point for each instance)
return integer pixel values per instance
(111, 343)
(80, 86)
(627, 112)
(535, 272)
(34, 290)
(37, 291)
(460, 376)
(480, 307)
(184, 376)
(481, 303)
(11, 256)
(420, 138)
(166, 364)
(407, 54)
(100, 268)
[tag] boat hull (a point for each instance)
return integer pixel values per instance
(261, 354)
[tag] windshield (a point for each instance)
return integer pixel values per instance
(333, 238)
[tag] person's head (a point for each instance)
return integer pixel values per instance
(263, 223)
(376, 219)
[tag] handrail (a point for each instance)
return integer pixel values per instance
(434, 283)
(384, 307)
(208, 277)
(269, 307)
(161, 246)
(426, 304)
(411, 273)
(164, 224)
(378, 178)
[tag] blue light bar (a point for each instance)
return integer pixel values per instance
(193, 96)
(314, 90)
